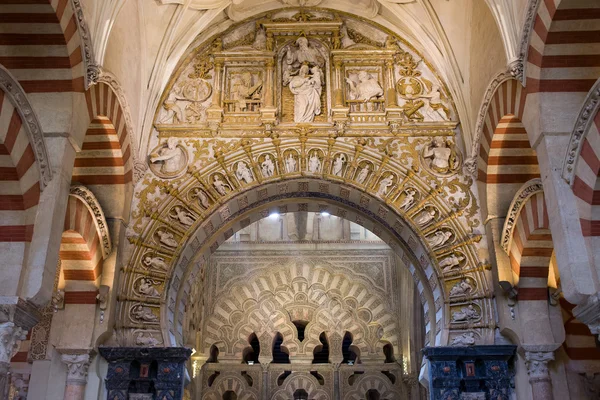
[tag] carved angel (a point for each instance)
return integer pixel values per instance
(384, 184)
(450, 262)
(439, 238)
(362, 174)
(461, 288)
(221, 187)
(268, 168)
(166, 238)
(243, 173)
(409, 198)
(156, 263)
(142, 313)
(183, 216)
(146, 288)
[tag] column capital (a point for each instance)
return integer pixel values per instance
(77, 367)
(589, 313)
(11, 337)
(537, 365)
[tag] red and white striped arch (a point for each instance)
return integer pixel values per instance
(580, 343)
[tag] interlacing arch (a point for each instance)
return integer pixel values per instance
(230, 381)
(158, 241)
(297, 381)
(381, 384)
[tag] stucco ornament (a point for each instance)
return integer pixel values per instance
(441, 157)
(169, 160)
(465, 339)
(146, 339)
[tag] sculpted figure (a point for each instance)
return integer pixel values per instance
(465, 314)
(142, 313)
(170, 159)
(268, 168)
(147, 289)
(466, 339)
(362, 174)
(461, 288)
(307, 94)
(166, 238)
(365, 89)
(314, 164)
(439, 238)
(290, 163)
(243, 172)
(202, 198)
(425, 217)
(408, 199)
(443, 158)
(338, 164)
(182, 216)
(243, 90)
(174, 113)
(156, 263)
(295, 57)
(220, 186)
(436, 104)
(384, 184)
(448, 263)
(146, 339)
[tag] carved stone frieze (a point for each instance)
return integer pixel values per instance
(88, 198)
(92, 69)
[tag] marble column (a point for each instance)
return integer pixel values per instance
(77, 373)
(10, 340)
(539, 376)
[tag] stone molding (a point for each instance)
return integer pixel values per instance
(589, 313)
(524, 193)
(92, 70)
(11, 337)
(591, 106)
(537, 365)
(519, 66)
(77, 367)
(499, 79)
(88, 198)
(33, 127)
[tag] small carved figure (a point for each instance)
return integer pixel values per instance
(462, 288)
(144, 314)
(268, 168)
(307, 94)
(202, 197)
(146, 288)
(243, 90)
(443, 159)
(183, 216)
(384, 184)
(436, 104)
(426, 216)
(362, 174)
(365, 89)
(439, 238)
(156, 263)
(220, 186)
(170, 159)
(466, 339)
(465, 314)
(260, 39)
(346, 41)
(314, 163)
(338, 164)
(448, 263)
(243, 173)
(290, 163)
(174, 113)
(166, 238)
(146, 339)
(409, 198)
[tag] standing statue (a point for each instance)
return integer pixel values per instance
(362, 174)
(384, 184)
(202, 197)
(338, 164)
(268, 168)
(409, 198)
(243, 172)
(307, 94)
(220, 186)
(169, 160)
(314, 163)
(290, 163)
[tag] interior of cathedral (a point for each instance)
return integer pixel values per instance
(299, 199)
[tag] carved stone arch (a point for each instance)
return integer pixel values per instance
(374, 381)
(229, 381)
(90, 201)
(300, 380)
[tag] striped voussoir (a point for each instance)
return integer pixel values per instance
(564, 50)
(531, 249)
(580, 343)
(41, 46)
(19, 176)
(105, 156)
(505, 154)
(586, 185)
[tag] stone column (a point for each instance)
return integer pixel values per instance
(10, 340)
(336, 381)
(539, 377)
(265, 380)
(77, 373)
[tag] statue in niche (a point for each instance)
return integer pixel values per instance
(409, 198)
(365, 88)
(465, 314)
(466, 339)
(362, 174)
(450, 262)
(268, 168)
(306, 89)
(166, 238)
(441, 157)
(146, 339)
(384, 185)
(221, 187)
(244, 90)
(183, 216)
(314, 163)
(298, 56)
(462, 288)
(425, 216)
(243, 173)
(290, 163)
(338, 164)
(439, 238)
(144, 314)
(169, 160)
(147, 289)
(156, 263)
(202, 197)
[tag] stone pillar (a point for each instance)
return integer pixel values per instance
(77, 373)
(539, 377)
(336, 381)
(10, 340)
(265, 380)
